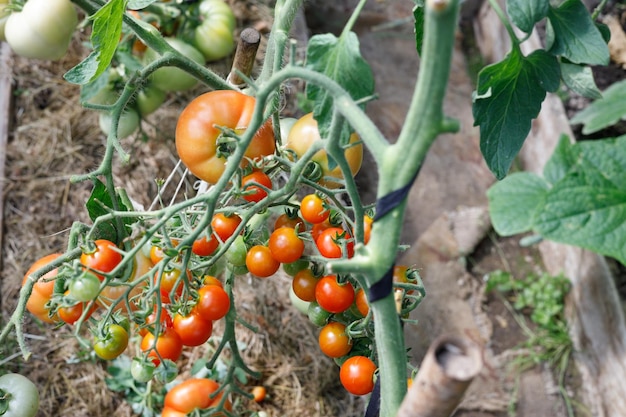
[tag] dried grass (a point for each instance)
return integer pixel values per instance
(54, 138)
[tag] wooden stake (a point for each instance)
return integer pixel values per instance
(449, 366)
(249, 42)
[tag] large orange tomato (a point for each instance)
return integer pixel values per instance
(305, 132)
(193, 394)
(197, 131)
(42, 290)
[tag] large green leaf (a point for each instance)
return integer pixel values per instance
(341, 60)
(604, 112)
(525, 13)
(579, 79)
(515, 201)
(508, 97)
(563, 159)
(105, 35)
(575, 36)
(99, 204)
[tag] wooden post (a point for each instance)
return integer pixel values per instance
(6, 75)
(249, 42)
(447, 370)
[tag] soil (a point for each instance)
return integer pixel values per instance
(53, 138)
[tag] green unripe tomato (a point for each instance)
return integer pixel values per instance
(149, 99)
(42, 29)
(19, 396)
(172, 78)
(128, 124)
(214, 36)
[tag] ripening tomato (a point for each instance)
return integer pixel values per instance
(330, 242)
(313, 209)
(71, 314)
(253, 192)
(112, 343)
(118, 289)
(42, 290)
(285, 245)
(287, 220)
(167, 345)
(213, 302)
(400, 274)
(259, 393)
(165, 321)
(205, 246)
(104, 257)
(194, 394)
(197, 132)
(333, 340)
(192, 329)
(225, 225)
(303, 284)
(260, 262)
(367, 228)
(333, 296)
(318, 228)
(357, 375)
(361, 302)
(305, 132)
(171, 283)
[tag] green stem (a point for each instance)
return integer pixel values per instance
(505, 22)
(353, 18)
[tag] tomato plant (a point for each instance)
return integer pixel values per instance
(167, 345)
(225, 225)
(198, 137)
(260, 261)
(255, 186)
(213, 302)
(285, 245)
(333, 296)
(43, 29)
(313, 209)
(334, 341)
(305, 132)
(111, 343)
(192, 329)
(19, 396)
(357, 375)
(43, 289)
(118, 289)
(330, 243)
(172, 78)
(127, 124)
(214, 35)
(104, 257)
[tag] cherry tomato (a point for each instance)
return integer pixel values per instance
(357, 375)
(165, 321)
(142, 370)
(317, 315)
(193, 394)
(303, 284)
(213, 302)
(333, 296)
(400, 274)
(170, 412)
(167, 345)
(104, 258)
(197, 133)
(118, 289)
(367, 228)
(171, 283)
(205, 246)
(252, 192)
(71, 314)
(193, 329)
(329, 243)
(259, 393)
(224, 226)
(84, 287)
(361, 302)
(19, 395)
(305, 132)
(313, 209)
(318, 228)
(285, 245)
(333, 340)
(211, 280)
(42, 290)
(112, 343)
(260, 261)
(285, 220)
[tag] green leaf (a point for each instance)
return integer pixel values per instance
(515, 201)
(107, 28)
(576, 37)
(418, 14)
(340, 60)
(579, 79)
(605, 112)
(508, 97)
(525, 13)
(100, 204)
(139, 4)
(565, 157)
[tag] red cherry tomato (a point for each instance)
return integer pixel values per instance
(334, 341)
(104, 258)
(260, 262)
(303, 285)
(357, 375)
(333, 296)
(285, 245)
(166, 345)
(253, 192)
(213, 302)
(193, 329)
(224, 226)
(313, 209)
(330, 242)
(205, 246)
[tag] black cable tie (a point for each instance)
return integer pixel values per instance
(390, 201)
(382, 288)
(373, 407)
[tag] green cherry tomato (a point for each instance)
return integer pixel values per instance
(112, 343)
(18, 396)
(236, 253)
(84, 287)
(172, 78)
(214, 36)
(317, 315)
(43, 29)
(149, 99)
(142, 370)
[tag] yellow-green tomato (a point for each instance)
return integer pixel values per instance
(42, 29)
(214, 36)
(4, 16)
(129, 122)
(172, 78)
(305, 132)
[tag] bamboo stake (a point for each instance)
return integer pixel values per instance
(249, 42)
(447, 370)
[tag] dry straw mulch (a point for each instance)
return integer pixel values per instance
(53, 138)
